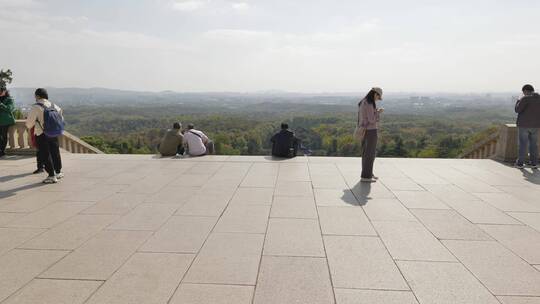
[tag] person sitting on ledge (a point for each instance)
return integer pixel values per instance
(196, 142)
(173, 141)
(284, 143)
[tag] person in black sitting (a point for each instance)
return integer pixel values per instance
(284, 143)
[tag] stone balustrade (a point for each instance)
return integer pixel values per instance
(19, 142)
(502, 145)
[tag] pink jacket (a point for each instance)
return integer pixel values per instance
(368, 116)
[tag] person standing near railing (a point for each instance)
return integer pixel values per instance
(48, 122)
(7, 119)
(528, 123)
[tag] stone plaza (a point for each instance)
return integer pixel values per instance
(244, 229)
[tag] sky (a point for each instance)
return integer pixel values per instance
(285, 45)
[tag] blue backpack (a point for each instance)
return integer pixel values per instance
(53, 123)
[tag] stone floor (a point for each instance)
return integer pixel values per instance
(239, 230)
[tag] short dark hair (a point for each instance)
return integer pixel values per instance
(190, 126)
(177, 126)
(284, 126)
(42, 93)
(528, 88)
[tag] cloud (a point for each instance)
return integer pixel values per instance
(188, 5)
(4, 4)
(240, 6)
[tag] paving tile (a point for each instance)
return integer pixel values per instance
(119, 203)
(181, 234)
(420, 200)
(450, 225)
(401, 184)
(323, 182)
(345, 221)
(444, 283)
(411, 241)
(204, 205)
(480, 212)
(507, 202)
(215, 294)
(387, 210)
(362, 262)
(95, 194)
(519, 300)
(146, 278)
(294, 237)
(293, 189)
(6, 218)
(450, 193)
(29, 203)
(294, 173)
(355, 296)
(54, 292)
(12, 237)
(98, 258)
(72, 233)
(227, 258)
(365, 192)
(501, 271)
(293, 280)
(172, 195)
(145, 217)
(294, 207)
(50, 215)
(261, 196)
(244, 218)
(261, 175)
(522, 240)
(335, 197)
(531, 219)
(18, 267)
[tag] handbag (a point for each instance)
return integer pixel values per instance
(359, 131)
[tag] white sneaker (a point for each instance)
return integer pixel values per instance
(50, 180)
(368, 180)
(60, 175)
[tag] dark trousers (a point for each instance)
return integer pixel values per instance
(49, 153)
(39, 161)
(369, 152)
(3, 139)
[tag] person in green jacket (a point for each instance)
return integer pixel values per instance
(7, 118)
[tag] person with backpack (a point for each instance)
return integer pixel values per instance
(48, 123)
(196, 142)
(366, 132)
(284, 143)
(7, 119)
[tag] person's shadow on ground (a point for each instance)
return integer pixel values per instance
(8, 178)
(532, 177)
(360, 194)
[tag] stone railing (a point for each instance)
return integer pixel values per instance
(19, 142)
(485, 148)
(501, 145)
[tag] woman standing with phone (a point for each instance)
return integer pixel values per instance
(368, 125)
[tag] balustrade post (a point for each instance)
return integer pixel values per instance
(21, 129)
(11, 137)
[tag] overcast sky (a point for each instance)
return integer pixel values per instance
(256, 45)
